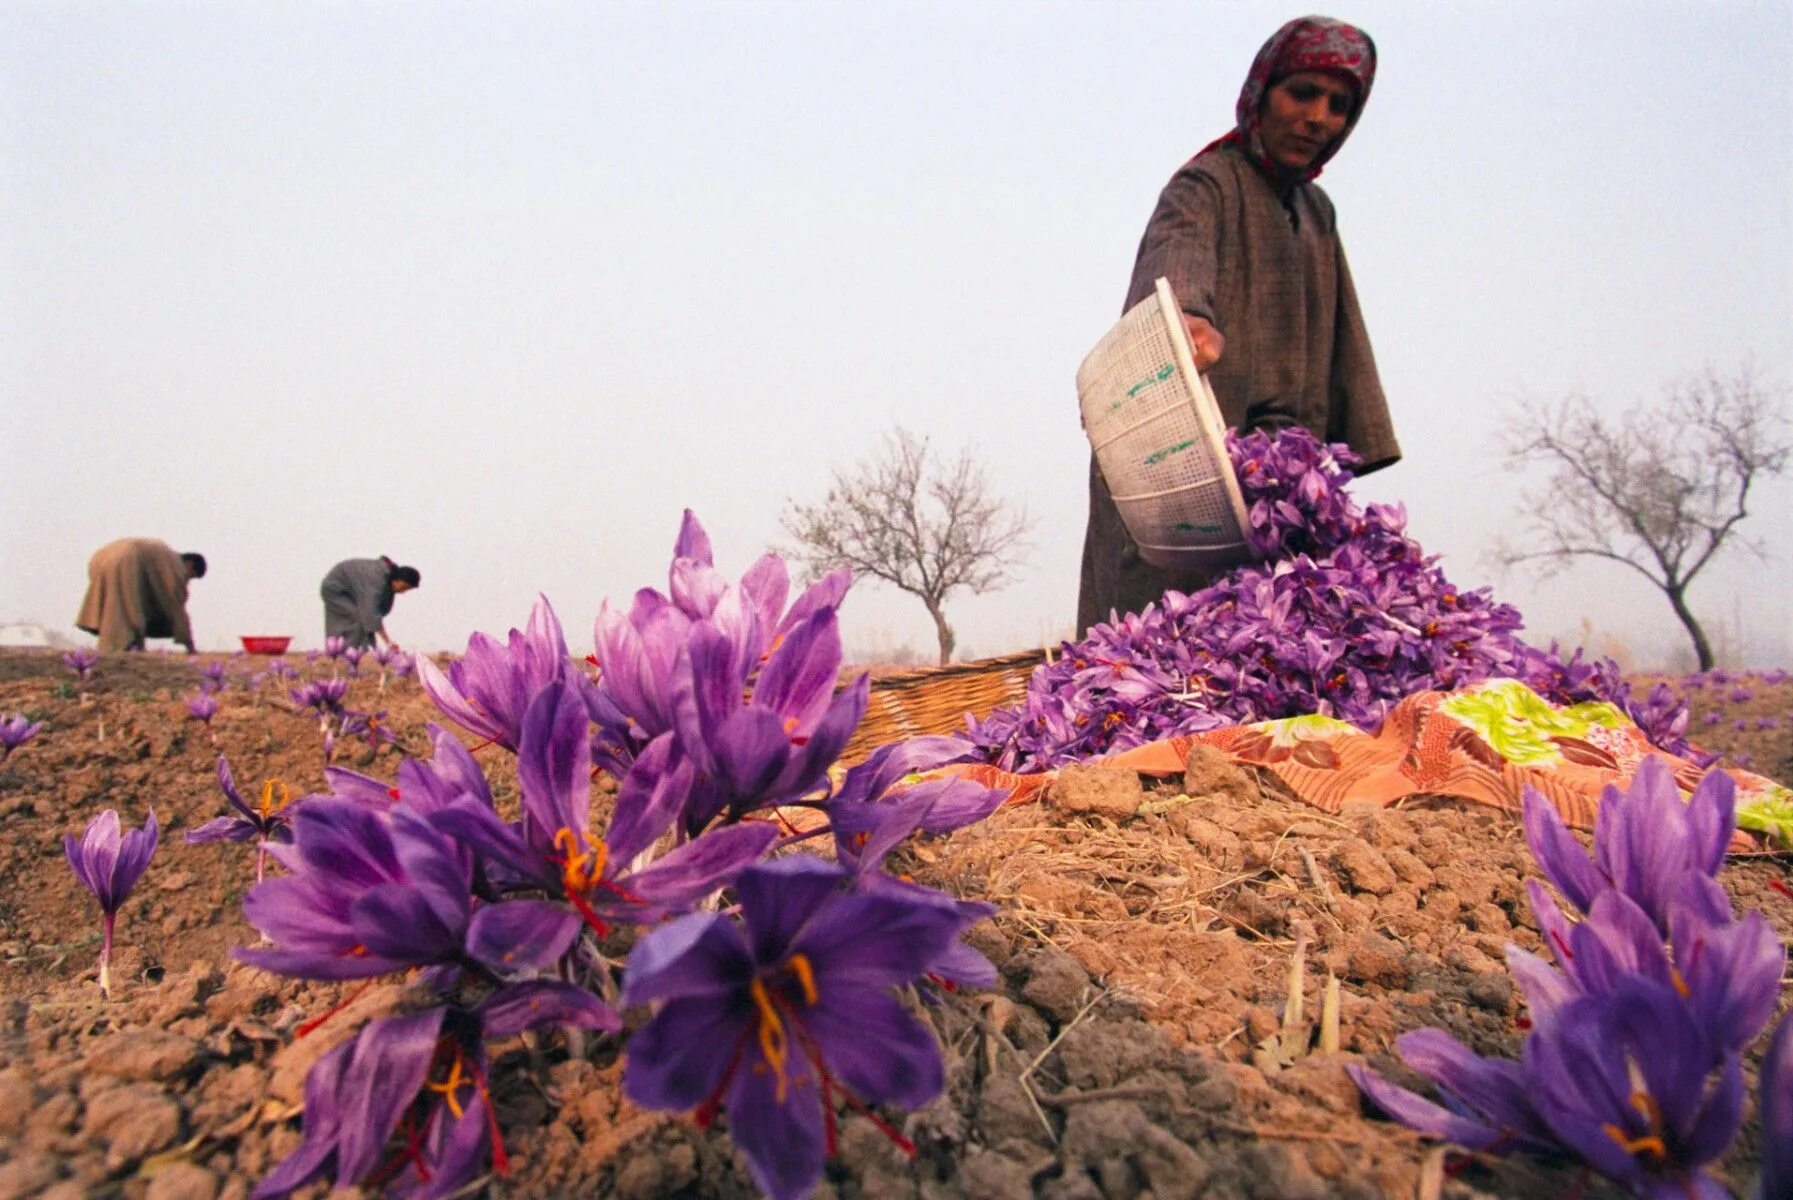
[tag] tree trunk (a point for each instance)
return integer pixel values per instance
(1702, 649)
(947, 638)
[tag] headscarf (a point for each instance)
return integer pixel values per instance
(1304, 44)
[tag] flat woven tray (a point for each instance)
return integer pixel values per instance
(937, 699)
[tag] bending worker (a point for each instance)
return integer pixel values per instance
(1251, 248)
(137, 590)
(358, 594)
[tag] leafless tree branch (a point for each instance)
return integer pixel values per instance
(1661, 489)
(925, 527)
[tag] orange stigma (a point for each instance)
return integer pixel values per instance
(579, 872)
(275, 796)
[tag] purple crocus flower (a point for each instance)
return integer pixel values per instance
(1726, 972)
(1623, 1081)
(15, 731)
(552, 850)
(1775, 1103)
(334, 646)
(779, 1015)
(406, 1103)
(487, 691)
(268, 820)
(211, 675)
(1487, 1101)
(81, 662)
(1644, 838)
(756, 746)
(324, 696)
(351, 656)
(202, 707)
(109, 864)
(372, 892)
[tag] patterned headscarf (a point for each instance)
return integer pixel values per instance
(1304, 44)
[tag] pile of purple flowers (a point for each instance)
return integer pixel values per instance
(771, 982)
(1344, 617)
(1633, 1062)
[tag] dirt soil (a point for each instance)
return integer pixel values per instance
(1134, 1049)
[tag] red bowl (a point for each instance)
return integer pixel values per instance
(266, 645)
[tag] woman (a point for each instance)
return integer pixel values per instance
(358, 594)
(1250, 246)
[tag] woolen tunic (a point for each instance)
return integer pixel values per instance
(1269, 272)
(357, 596)
(136, 589)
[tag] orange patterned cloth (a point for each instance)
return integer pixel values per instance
(1485, 744)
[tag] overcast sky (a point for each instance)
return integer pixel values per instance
(500, 289)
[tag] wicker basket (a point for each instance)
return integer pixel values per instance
(1161, 443)
(938, 699)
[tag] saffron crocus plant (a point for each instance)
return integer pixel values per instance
(1775, 1103)
(81, 662)
(552, 850)
(1645, 837)
(202, 707)
(15, 731)
(268, 820)
(406, 1103)
(778, 1016)
(488, 689)
(108, 864)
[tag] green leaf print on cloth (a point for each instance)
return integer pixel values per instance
(1521, 726)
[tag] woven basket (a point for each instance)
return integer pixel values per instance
(1159, 438)
(938, 699)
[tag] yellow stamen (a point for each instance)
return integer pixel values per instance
(773, 1042)
(1649, 1144)
(806, 976)
(579, 872)
(275, 796)
(449, 1086)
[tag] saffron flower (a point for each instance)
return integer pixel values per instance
(81, 662)
(351, 655)
(334, 646)
(368, 893)
(552, 850)
(1623, 1081)
(202, 707)
(15, 731)
(769, 741)
(487, 691)
(1644, 838)
(421, 1080)
(268, 820)
(1726, 972)
(778, 1015)
(109, 864)
(211, 676)
(1775, 1102)
(1487, 1102)
(324, 696)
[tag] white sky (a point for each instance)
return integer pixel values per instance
(499, 289)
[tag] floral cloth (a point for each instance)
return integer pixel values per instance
(1486, 743)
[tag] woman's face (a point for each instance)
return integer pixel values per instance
(1303, 115)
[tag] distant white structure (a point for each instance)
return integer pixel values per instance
(17, 635)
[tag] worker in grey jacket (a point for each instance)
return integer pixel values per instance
(358, 594)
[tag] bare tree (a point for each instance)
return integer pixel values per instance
(928, 528)
(1660, 489)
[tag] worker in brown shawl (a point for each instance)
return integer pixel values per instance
(358, 594)
(137, 590)
(1250, 246)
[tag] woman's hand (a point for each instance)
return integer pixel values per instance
(1206, 343)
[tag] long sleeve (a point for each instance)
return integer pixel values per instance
(1183, 243)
